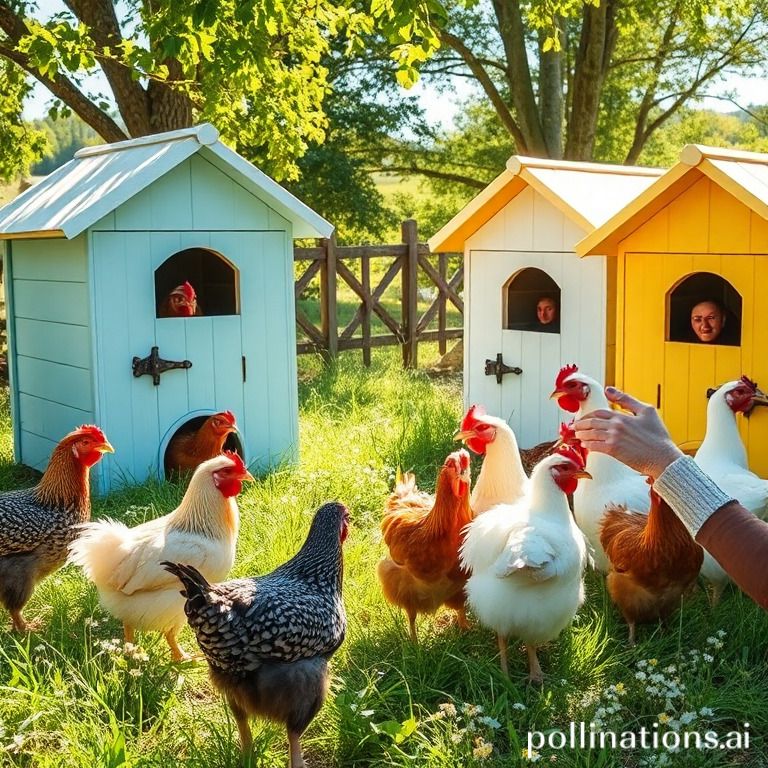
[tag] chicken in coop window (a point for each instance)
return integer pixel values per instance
(37, 524)
(198, 440)
(124, 563)
(196, 282)
(268, 639)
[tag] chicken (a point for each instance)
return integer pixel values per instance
(268, 638)
(502, 479)
(422, 571)
(613, 483)
(124, 563)
(530, 457)
(180, 302)
(723, 457)
(653, 561)
(188, 449)
(37, 524)
(527, 560)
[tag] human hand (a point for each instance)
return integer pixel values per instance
(638, 438)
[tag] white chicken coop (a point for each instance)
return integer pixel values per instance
(90, 253)
(518, 237)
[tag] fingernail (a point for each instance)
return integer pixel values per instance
(611, 391)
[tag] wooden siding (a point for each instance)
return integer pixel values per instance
(704, 229)
(51, 346)
(194, 196)
(530, 232)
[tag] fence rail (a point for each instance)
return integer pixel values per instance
(410, 261)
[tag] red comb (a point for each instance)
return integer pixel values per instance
(463, 459)
(92, 431)
(567, 433)
(236, 459)
(228, 415)
(186, 290)
(564, 373)
(472, 416)
(747, 382)
(576, 454)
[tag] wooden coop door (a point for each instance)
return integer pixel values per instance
(674, 375)
(135, 408)
(522, 399)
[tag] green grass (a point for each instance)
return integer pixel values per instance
(69, 696)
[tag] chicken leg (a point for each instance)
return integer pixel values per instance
(502, 641)
(297, 759)
(412, 626)
(535, 675)
(177, 652)
(20, 624)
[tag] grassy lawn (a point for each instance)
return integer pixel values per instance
(72, 697)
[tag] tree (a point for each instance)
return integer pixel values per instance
(561, 73)
(252, 67)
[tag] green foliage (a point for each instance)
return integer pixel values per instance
(65, 136)
(73, 695)
(20, 144)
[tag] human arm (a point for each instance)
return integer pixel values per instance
(728, 531)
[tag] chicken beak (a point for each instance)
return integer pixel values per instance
(248, 476)
(557, 394)
(759, 398)
(582, 474)
(105, 447)
(463, 434)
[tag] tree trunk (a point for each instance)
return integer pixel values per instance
(551, 98)
(518, 73)
(595, 47)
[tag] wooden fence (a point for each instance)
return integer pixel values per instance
(411, 263)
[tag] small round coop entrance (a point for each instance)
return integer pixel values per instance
(692, 291)
(522, 294)
(189, 427)
(213, 278)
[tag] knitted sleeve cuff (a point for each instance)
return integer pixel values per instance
(691, 493)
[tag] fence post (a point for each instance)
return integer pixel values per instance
(410, 237)
(328, 320)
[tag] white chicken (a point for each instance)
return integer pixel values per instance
(124, 563)
(723, 457)
(613, 483)
(527, 560)
(502, 479)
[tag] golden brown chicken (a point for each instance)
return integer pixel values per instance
(653, 561)
(532, 456)
(187, 450)
(422, 571)
(180, 302)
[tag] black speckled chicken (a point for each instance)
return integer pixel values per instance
(268, 638)
(38, 524)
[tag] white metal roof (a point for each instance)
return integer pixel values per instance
(588, 193)
(100, 179)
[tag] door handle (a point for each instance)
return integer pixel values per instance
(499, 368)
(153, 365)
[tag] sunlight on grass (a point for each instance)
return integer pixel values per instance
(75, 695)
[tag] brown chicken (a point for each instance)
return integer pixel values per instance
(423, 571)
(38, 524)
(187, 450)
(180, 302)
(653, 561)
(532, 456)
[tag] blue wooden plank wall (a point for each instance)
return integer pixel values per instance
(51, 343)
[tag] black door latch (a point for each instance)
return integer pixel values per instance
(498, 368)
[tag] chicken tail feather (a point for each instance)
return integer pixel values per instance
(195, 584)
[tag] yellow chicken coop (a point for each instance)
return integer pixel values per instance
(698, 233)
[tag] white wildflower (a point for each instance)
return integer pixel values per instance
(687, 717)
(519, 706)
(482, 749)
(134, 672)
(708, 658)
(448, 709)
(706, 712)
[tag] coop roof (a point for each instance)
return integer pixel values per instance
(100, 179)
(588, 193)
(743, 174)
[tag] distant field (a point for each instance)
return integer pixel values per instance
(10, 189)
(390, 185)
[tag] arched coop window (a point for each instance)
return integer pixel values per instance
(196, 278)
(532, 302)
(704, 292)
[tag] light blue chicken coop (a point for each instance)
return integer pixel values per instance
(89, 254)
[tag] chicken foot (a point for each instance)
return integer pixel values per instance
(177, 652)
(20, 624)
(412, 627)
(461, 618)
(535, 675)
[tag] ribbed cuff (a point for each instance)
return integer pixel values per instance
(691, 493)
